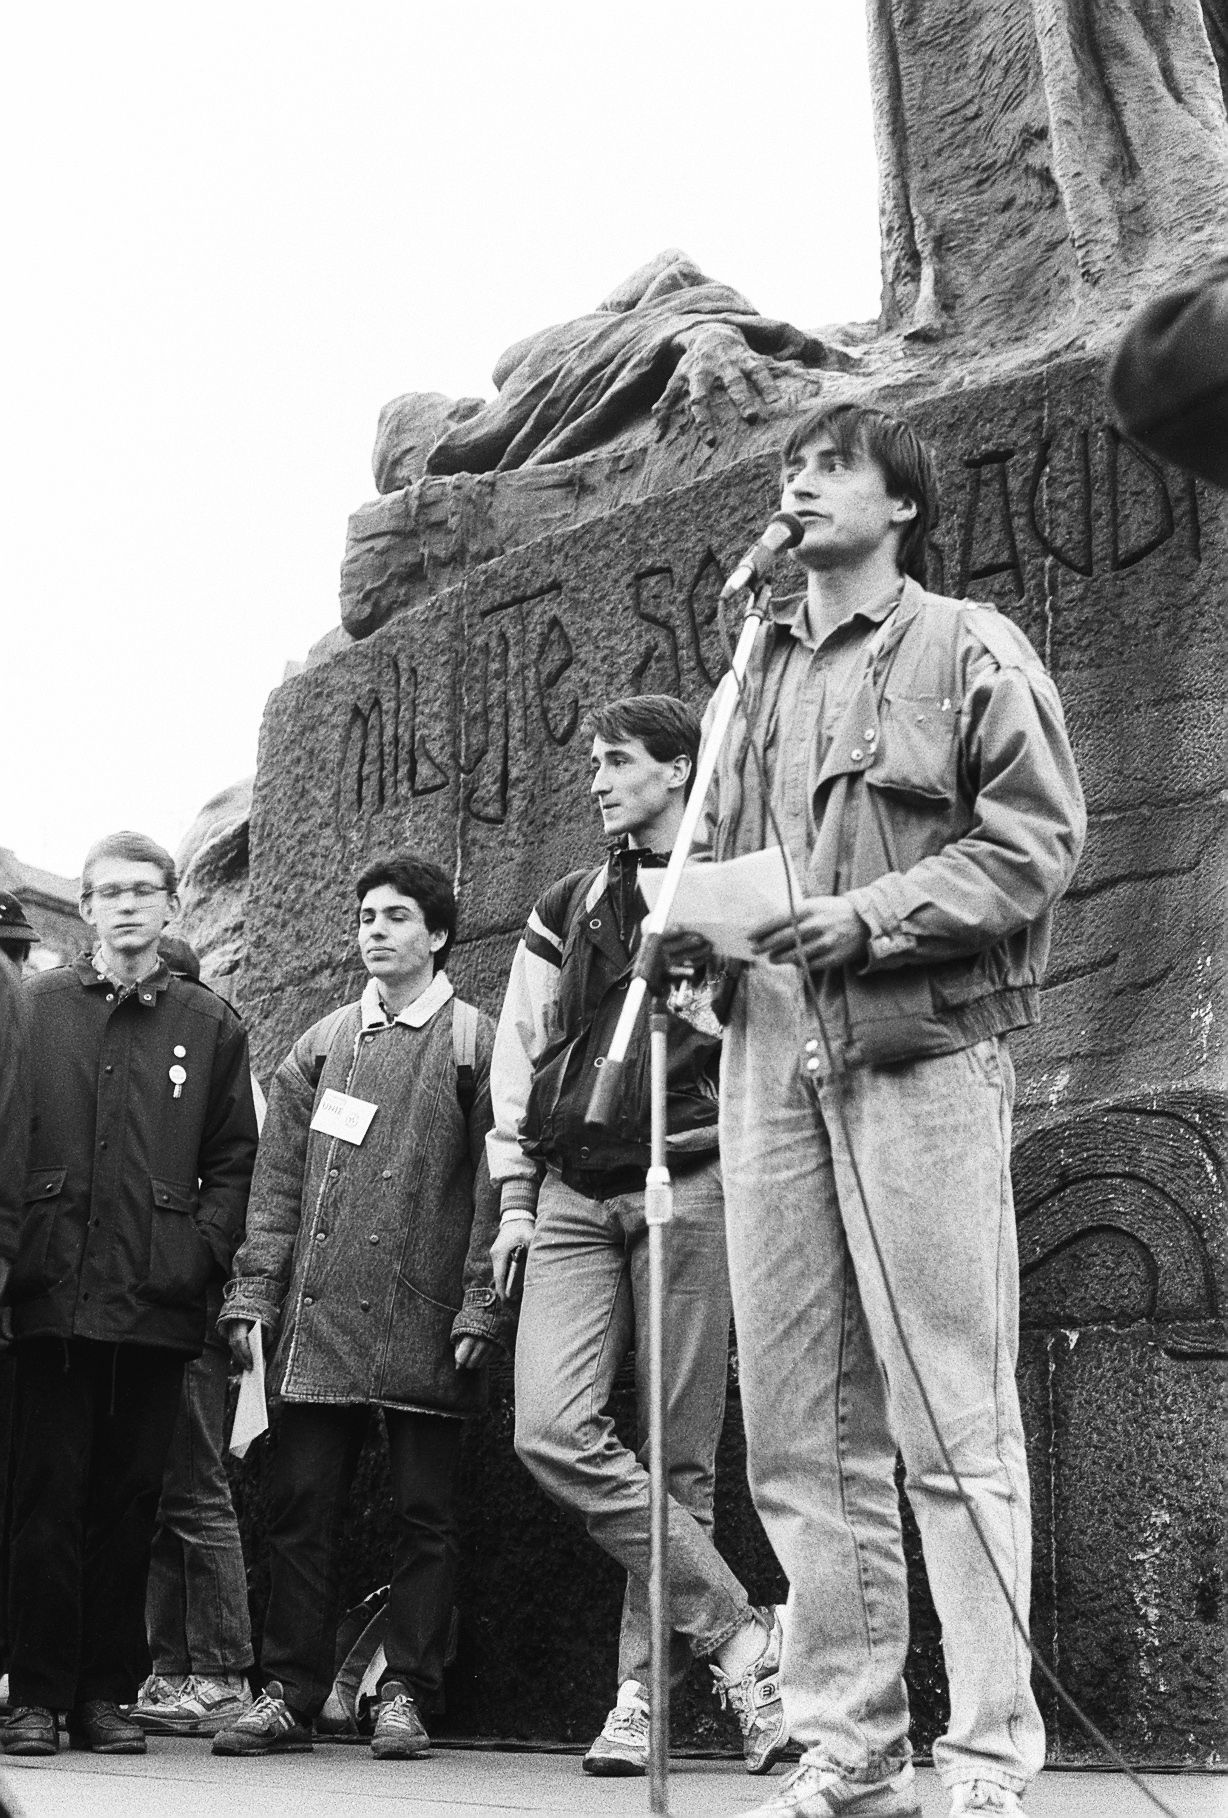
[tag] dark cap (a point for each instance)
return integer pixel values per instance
(13, 923)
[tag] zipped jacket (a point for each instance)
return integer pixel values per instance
(564, 996)
(365, 1262)
(137, 1181)
(945, 806)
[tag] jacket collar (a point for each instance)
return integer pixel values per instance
(791, 615)
(415, 1015)
(147, 992)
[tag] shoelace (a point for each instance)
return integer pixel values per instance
(988, 1795)
(398, 1709)
(271, 1709)
(626, 1723)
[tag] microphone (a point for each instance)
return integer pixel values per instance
(782, 532)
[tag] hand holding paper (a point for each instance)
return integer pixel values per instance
(251, 1414)
(728, 902)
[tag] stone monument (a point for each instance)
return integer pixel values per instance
(1044, 166)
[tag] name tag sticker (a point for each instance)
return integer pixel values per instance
(337, 1114)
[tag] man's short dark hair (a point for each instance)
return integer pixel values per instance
(665, 726)
(906, 462)
(137, 849)
(428, 884)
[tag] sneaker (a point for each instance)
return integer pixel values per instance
(823, 1792)
(399, 1731)
(622, 1747)
(755, 1701)
(983, 1796)
(159, 1688)
(270, 1727)
(201, 1707)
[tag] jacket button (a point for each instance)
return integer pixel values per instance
(374, 1238)
(334, 1173)
(309, 1300)
(869, 735)
(387, 1174)
(365, 1305)
(856, 754)
(110, 997)
(108, 1068)
(812, 1046)
(320, 1236)
(162, 1196)
(596, 922)
(103, 1143)
(584, 1155)
(51, 1186)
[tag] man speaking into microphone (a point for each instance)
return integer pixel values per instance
(909, 752)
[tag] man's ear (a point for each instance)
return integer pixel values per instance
(903, 510)
(85, 909)
(682, 768)
(436, 937)
(172, 908)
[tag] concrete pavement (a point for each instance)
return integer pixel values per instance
(181, 1779)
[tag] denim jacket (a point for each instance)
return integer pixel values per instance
(945, 805)
(367, 1261)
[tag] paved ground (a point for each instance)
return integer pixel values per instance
(179, 1779)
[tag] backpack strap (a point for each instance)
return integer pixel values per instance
(464, 1052)
(325, 1034)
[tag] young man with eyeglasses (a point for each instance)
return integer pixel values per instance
(142, 1142)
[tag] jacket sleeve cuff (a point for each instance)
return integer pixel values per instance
(882, 906)
(518, 1197)
(482, 1316)
(254, 1299)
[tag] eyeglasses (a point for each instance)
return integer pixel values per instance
(111, 893)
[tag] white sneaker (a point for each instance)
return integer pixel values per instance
(201, 1707)
(983, 1796)
(823, 1792)
(622, 1747)
(755, 1700)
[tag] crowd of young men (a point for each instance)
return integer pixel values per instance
(909, 753)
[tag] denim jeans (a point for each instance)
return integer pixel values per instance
(312, 1469)
(92, 1425)
(828, 1395)
(585, 1299)
(196, 1607)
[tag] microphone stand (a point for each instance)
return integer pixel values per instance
(659, 1195)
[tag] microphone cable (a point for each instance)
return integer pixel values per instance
(838, 1077)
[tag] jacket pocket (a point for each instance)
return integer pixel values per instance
(180, 1261)
(918, 758)
(34, 1268)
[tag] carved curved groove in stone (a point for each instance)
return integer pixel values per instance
(1155, 1172)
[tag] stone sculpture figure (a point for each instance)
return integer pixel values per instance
(1041, 162)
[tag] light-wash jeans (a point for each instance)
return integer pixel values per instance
(196, 1608)
(585, 1299)
(827, 1394)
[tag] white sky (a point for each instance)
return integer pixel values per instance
(235, 230)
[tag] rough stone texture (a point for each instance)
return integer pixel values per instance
(212, 862)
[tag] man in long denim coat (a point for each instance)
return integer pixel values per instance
(366, 1263)
(917, 769)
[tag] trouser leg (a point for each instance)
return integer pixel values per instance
(53, 1436)
(932, 1142)
(197, 1609)
(310, 1476)
(575, 1328)
(697, 1314)
(423, 1452)
(134, 1419)
(820, 1454)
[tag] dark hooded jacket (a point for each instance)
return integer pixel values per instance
(134, 1197)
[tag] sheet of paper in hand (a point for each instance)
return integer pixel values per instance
(337, 1114)
(726, 902)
